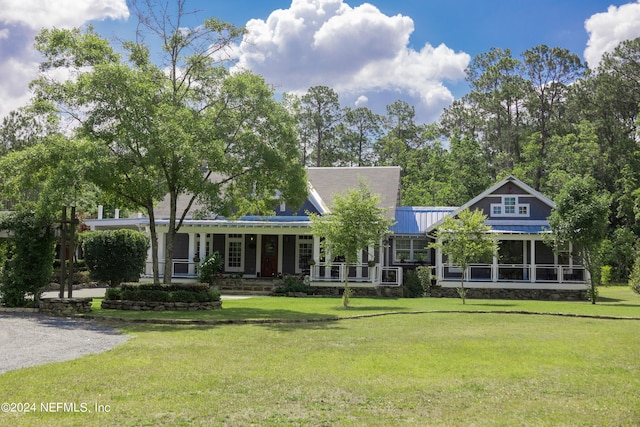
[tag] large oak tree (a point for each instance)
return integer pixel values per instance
(179, 125)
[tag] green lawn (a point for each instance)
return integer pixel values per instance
(425, 367)
(617, 301)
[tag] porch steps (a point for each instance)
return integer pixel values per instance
(248, 286)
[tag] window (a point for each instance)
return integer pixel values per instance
(234, 260)
(305, 252)
(411, 250)
(510, 206)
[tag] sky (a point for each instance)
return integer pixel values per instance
(371, 53)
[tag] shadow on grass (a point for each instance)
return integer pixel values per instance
(371, 308)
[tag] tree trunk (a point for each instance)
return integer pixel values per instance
(462, 291)
(154, 245)
(171, 232)
(347, 291)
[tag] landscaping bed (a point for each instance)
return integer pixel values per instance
(145, 297)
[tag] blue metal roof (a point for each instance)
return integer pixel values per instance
(414, 220)
(283, 218)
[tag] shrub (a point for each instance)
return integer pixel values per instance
(411, 287)
(113, 294)
(210, 267)
(634, 277)
(115, 256)
(193, 292)
(28, 257)
(293, 284)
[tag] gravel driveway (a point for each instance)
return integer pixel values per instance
(30, 340)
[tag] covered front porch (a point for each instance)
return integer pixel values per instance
(265, 249)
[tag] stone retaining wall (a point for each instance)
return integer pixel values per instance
(160, 306)
(514, 294)
(65, 306)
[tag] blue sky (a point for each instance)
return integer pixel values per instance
(371, 53)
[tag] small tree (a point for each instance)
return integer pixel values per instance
(354, 223)
(115, 256)
(581, 217)
(465, 239)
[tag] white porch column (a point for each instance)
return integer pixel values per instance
(258, 253)
(161, 250)
(316, 257)
(280, 252)
(533, 260)
(202, 250)
(439, 265)
(359, 267)
(495, 270)
(192, 253)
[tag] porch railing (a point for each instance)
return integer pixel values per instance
(358, 273)
(180, 268)
(334, 273)
(518, 273)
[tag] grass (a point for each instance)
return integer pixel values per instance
(429, 368)
(616, 301)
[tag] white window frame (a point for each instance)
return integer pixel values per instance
(521, 210)
(234, 238)
(412, 249)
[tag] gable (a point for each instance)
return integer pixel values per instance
(511, 206)
(514, 205)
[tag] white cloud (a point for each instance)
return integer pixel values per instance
(361, 101)
(359, 52)
(60, 13)
(606, 30)
(21, 20)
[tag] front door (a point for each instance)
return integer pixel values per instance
(269, 256)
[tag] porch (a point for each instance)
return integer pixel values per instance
(522, 262)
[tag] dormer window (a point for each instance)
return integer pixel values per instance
(510, 206)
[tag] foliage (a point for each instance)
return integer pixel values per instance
(581, 218)
(354, 223)
(210, 267)
(619, 252)
(29, 257)
(186, 128)
(318, 114)
(177, 292)
(164, 293)
(417, 283)
(605, 275)
(634, 277)
(293, 284)
(426, 278)
(411, 285)
(465, 240)
(115, 256)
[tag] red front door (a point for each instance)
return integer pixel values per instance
(269, 256)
